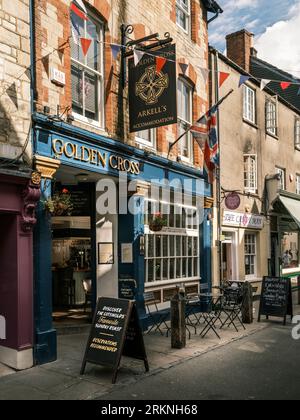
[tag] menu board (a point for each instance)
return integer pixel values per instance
(115, 331)
(276, 298)
(81, 202)
(127, 289)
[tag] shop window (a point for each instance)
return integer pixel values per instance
(87, 70)
(146, 138)
(250, 173)
(184, 94)
(250, 255)
(290, 250)
(173, 254)
(249, 104)
(297, 133)
(271, 117)
(183, 14)
(281, 173)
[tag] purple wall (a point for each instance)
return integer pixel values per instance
(16, 272)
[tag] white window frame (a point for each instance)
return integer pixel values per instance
(251, 254)
(187, 13)
(272, 116)
(250, 173)
(298, 184)
(185, 124)
(100, 76)
(297, 134)
(282, 181)
(249, 104)
(151, 144)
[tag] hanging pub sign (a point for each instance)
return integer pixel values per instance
(152, 90)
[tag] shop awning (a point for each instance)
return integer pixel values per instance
(292, 207)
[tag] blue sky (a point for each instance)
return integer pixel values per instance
(275, 23)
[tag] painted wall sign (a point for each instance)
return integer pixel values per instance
(115, 332)
(152, 93)
(57, 77)
(93, 157)
(243, 220)
(233, 201)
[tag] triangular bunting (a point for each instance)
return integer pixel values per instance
(137, 56)
(78, 12)
(160, 62)
(46, 62)
(115, 49)
(81, 5)
(243, 79)
(264, 83)
(12, 93)
(285, 85)
(183, 68)
(85, 45)
(204, 73)
(223, 77)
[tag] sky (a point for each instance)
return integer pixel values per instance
(275, 23)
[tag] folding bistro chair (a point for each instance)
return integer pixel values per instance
(158, 318)
(212, 312)
(232, 306)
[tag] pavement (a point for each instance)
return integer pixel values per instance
(61, 380)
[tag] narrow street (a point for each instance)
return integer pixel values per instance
(262, 366)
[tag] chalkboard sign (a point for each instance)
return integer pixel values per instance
(276, 298)
(115, 332)
(127, 289)
(81, 202)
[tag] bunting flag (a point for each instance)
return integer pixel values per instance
(264, 83)
(243, 79)
(211, 150)
(75, 31)
(81, 5)
(205, 73)
(160, 62)
(223, 77)
(78, 12)
(285, 85)
(85, 45)
(183, 68)
(115, 49)
(137, 55)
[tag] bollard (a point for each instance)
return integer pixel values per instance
(247, 307)
(178, 329)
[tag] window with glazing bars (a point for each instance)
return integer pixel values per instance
(183, 14)
(249, 111)
(271, 117)
(250, 173)
(297, 133)
(250, 254)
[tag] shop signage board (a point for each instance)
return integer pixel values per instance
(233, 201)
(115, 332)
(127, 289)
(243, 220)
(153, 93)
(276, 298)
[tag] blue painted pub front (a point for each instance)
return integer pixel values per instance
(126, 257)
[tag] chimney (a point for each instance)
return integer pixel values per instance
(240, 48)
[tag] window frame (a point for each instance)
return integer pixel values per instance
(182, 122)
(187, 14)
(297, 133)
(250, 255)
(271, 130)
(247, 105)
(298, 184)
(248, 188)
(98, 73)
(152, 143)
(282, 181)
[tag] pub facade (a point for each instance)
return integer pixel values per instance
(103, 189)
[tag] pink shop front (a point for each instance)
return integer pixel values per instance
(18, 198)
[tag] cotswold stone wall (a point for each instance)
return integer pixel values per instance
(14, 79)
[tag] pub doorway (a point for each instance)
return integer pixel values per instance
(229, 257)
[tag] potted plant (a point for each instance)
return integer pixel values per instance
(60, 204)
(157, 223)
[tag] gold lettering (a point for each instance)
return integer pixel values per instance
(102, 159)
(93, 157)
(121, 164)
(77, 154)
(83, 151)
(69, 150)
(57, 150)
(112, 162)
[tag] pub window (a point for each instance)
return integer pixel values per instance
(298, 184)
(290, 250)
(250, 173)
(173, 254)
(297, 133)
(281, 173)
(146, 138)
(184, 93)
(250, 255)
(183, 14)
(87, 70)
(271, 117)
(249, 103)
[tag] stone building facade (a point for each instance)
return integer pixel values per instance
(260, 163)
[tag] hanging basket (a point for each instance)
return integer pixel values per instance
(154, 227)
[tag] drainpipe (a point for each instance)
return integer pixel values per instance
(32, 66)
(217, 11)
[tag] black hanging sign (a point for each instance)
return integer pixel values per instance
(152, 90)
(276, 298)
(115, 332)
